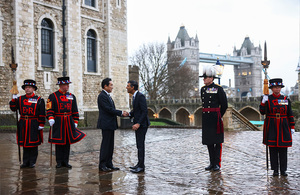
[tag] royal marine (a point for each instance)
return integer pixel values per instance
(214, 105)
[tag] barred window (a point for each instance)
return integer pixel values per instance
(91, 51)
(90, 3)
(47, 43)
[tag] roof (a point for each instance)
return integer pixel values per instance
(183, 35)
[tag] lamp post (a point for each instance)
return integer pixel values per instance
(220, 69)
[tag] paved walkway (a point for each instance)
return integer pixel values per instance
(175, 161)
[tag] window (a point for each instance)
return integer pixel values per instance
(90, 3)
(91, 51)
(47, 43)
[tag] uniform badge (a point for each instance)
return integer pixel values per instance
(69, 97)
(212, 90)
(32, 100)
(48, 105)
(283, 102)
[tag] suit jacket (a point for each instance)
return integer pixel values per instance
(140, 110)
(107, 112)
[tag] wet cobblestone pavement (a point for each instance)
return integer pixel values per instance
(175, 162)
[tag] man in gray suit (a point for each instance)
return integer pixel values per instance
(107, 121)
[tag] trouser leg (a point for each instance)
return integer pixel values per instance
(218, 154)
(33, 155)
(274, 158)
(26, 156)
(140, 136)
(211, 152)
(283, 159)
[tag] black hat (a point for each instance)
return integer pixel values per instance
(63, 80)
(275, 82)
(29, 82)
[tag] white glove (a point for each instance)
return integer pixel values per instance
(40, 128)
(51, 122)
(15, 96)
(265, 98)
(292, 131)
(76, 125)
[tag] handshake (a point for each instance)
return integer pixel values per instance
(124, 113)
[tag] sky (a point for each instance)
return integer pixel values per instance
(221, 25)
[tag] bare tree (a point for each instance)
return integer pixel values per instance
(152, 61)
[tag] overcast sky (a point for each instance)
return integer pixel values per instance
(221, 25)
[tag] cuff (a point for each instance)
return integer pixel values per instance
(75, 121)
(262, 104)
(41, 125)
(51, 117)
(292, 127)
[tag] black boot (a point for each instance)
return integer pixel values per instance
(275, 173)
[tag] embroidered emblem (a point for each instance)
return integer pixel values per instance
(48, 105)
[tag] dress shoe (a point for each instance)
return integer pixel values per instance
(23, 166)
(31, 165)
(216, 168)
(137, 170)
(275, 173)
(283, 173)
(113, 168)
(210, 167)
(105, 169)
(66, 165)
(134, 167)
(58, 165)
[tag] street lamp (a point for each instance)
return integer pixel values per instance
(298, 70)
(219, 70)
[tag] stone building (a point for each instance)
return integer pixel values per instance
(96, 48)
(184, 51)
(248, 77)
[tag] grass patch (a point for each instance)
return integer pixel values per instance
(158, 123)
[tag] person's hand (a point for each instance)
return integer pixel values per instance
(51, 122)
(125, 113)
(15, 96)
(40, 128)
(75, 125)
(135, 126)
(265, 98)
(292, 131)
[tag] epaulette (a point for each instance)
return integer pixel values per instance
(218, 85)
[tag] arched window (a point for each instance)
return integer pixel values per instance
(90, 3)
(47, 43)
(91, 51)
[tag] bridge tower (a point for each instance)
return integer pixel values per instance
(184, 52)
(248, 78)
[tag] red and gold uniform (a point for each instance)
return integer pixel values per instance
(278, 126)
(63, 112)
(32, 116)
(62, 107)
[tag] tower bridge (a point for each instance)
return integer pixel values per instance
(226, 59)
(189, 112)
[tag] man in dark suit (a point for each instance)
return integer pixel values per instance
(141, 123)
(107, 121)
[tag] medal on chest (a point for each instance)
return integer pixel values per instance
(283, 102)
(69, 97)
(32, 100)
(212, 90)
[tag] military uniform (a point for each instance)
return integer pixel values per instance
(214, 105)
(277, 127)
(62, 107)
(32, 117)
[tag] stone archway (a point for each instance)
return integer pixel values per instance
(150, 113)
(198, 117)
(165, 113)
(182, 116)
(250, 113)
